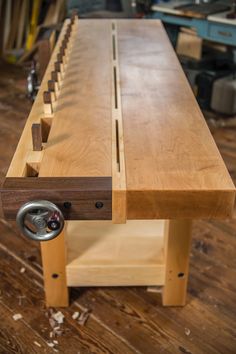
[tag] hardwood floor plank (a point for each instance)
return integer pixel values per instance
(20, 291)
(18, 336)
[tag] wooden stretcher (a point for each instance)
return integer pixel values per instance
(116, 140)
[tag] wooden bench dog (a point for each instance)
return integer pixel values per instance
(116, 140)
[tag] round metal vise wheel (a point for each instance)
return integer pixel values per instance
(40, 220)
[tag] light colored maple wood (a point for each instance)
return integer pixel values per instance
(54, 260)
(177, 252)
(53, 98)
(127, 113)
(57, 91)
(169, 164)
(48, 109)
(82, 131)
(101, 253)
(54, 251)
(24, 162)
(83, 117)
(170, 154)
(24, 153)
(118, 158)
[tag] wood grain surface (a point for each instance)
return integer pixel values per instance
(102, 254)
(82, 194)
(24, 152)
(147, 116)
(79, 143)
(121, 320)
(178, 235)
(173, 167)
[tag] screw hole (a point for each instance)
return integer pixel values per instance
(55, 275)
(99, 205)
(181, 275)
(67, 205)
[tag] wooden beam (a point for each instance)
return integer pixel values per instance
(47, 100)
(54, 266)
(89, 197)
(37, 136)
(172, 162)
(177, 252)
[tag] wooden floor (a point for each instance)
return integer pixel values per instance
(119, 320)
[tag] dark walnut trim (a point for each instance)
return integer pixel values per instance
(79, 198)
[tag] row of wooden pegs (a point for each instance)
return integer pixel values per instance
(54, 84)
(40, 131)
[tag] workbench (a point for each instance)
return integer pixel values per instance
(117, 146)
(216, 27)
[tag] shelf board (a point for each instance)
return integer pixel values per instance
(100, 253)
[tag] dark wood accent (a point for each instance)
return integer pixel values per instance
(81, 192)
(51, 85)
(64, 44)
(47, 97)
(74, 14)
(54, 75)
(44, 52)
(59, 57)
(57, 66)
(67, 34)
(62, 49)
(31, 170)
(36, 130)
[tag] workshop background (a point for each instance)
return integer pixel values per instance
(121, 320)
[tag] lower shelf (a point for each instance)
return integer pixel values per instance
(100, 253)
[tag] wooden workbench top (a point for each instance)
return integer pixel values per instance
(169, 149)
(80, 141)
(126, 111)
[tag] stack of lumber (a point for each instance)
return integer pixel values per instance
(21, 22)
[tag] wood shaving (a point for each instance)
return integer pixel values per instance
(50, 344)
(55, 332)
(187, 331)
(58, 317)
(52, 322)
(36, 343)
(17, 317)
(20, 297)
(84, 317)
(75, 315)
(58, 333)
(154, 289)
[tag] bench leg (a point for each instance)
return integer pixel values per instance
(54, 271)
(177, 251)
